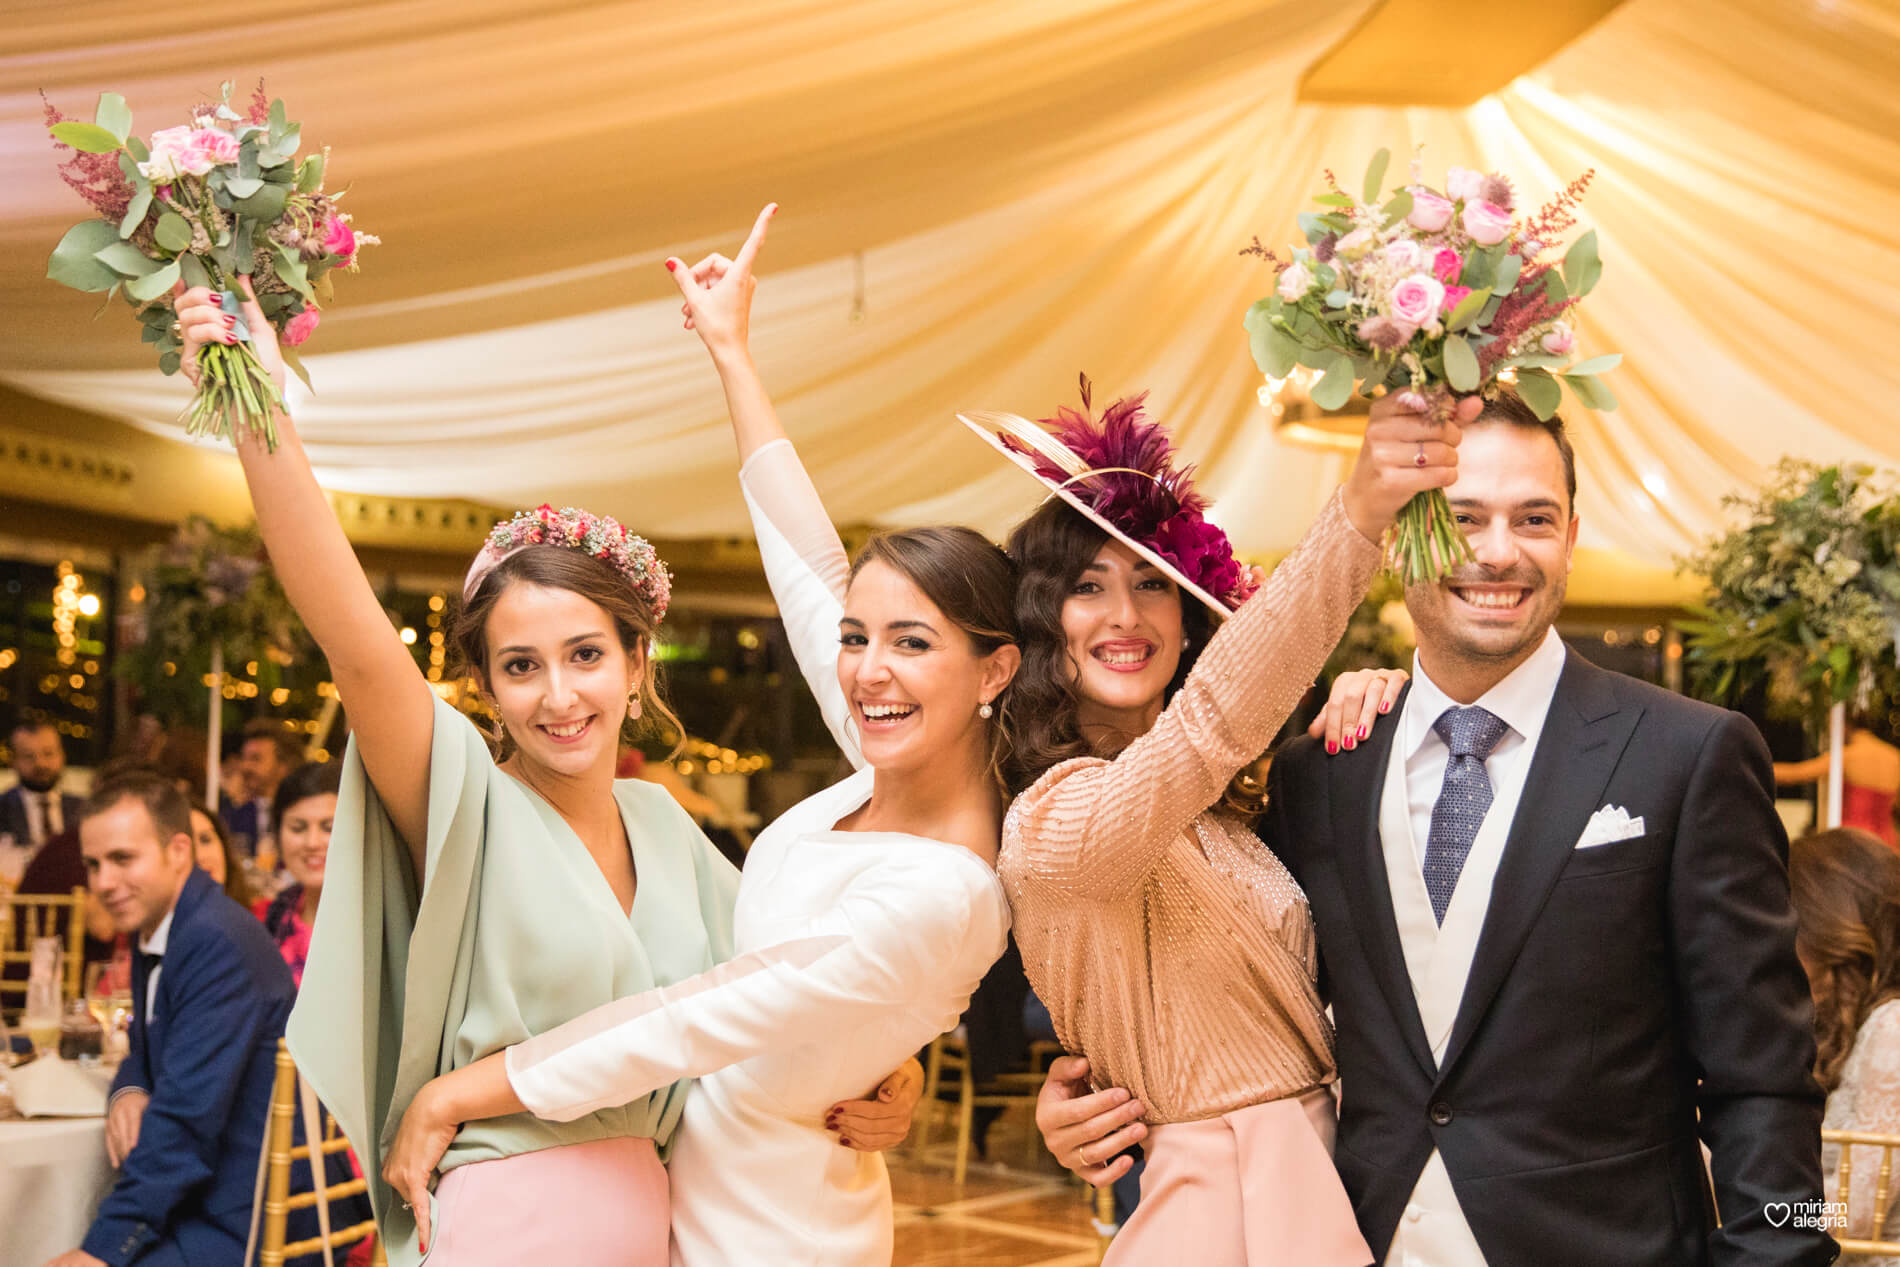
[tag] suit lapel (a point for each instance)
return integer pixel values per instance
(1356, 783)
(1584, 737)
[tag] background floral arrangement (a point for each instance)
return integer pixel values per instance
(1430, 290)
(212, 588)
(201, 204)
(1804, 594)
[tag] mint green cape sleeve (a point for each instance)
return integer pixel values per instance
(388, 975)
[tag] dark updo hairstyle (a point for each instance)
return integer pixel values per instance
(973, 583)
(1052, 548)
(599, 582)
(313, 778)
(1846, 889)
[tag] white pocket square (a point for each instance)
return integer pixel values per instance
(1609, 825)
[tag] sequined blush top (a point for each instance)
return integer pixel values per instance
(1171, 947)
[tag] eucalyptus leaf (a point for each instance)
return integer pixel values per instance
(1258, 323)
(1597, 364)
(279, 120)
(226, 113)
(1375, 174)
(1592, 274)
(172, 232)
(113, 115)
(280, 148)
(75, 261)
(1333, 200)
(135, 212)
(153, 285)
(136, 148)
(87, 138)
(151, 334)
(282, 174)
(1467, 309)
(1479, 271)
(1540, 391)
(266, 204)
(1554, 287)
(168, 362)
(310, 174)
(1337, 299)
(1490, 312)
(1508, 269)
(1461, 364)
(1334, 389)
(192, 270)
(291, 271)
(247, 164)
(242, 186)
(295, 363)
(127, 260)
(1397, 207)
(1313, 227)
(1577, 261)
(1590, 392)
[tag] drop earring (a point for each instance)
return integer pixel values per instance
(986, 712)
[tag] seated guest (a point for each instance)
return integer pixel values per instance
(211, 849)
(303, 809)
(210, 996)
(270, 751)
(58, 869)
(35, 811)
(1846, 889)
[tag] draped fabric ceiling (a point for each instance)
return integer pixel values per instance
(1017, 191)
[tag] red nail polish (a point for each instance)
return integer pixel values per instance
(672, 266)
(1331, 748)
(1386, 707)
(1364, 731)
(1348, 743)
(845, 1142)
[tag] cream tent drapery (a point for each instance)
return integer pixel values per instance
(1024, 189)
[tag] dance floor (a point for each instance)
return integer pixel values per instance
(999, 1217)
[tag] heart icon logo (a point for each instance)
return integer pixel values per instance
(1777, 1212)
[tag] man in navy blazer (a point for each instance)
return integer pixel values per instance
(35, 810)
(210, 995)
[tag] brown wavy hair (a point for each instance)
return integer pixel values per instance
(973, 582)
(1052, 548)
(560, 568)
(1846, 889)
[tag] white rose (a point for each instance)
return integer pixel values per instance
(1404, 255)
(163, 168)
(1295, 280)
(1354, 244)
(1464, 185)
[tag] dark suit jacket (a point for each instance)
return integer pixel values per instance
(207, 1059)
(241, 820)
(13, 820)
(1615, 992)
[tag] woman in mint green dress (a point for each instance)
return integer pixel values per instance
(474, 901)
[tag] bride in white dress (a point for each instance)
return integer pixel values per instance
(866, 915)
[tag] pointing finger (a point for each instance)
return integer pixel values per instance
(755, 240)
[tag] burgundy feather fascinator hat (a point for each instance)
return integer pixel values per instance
(1119, 472)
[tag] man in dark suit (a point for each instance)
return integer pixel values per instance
(1555, 928)
(210, 997)
(268, 753)
(35, 810)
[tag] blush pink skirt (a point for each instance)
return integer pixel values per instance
(1251, 1188)
(603, 1203)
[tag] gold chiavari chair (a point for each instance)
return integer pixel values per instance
(1877, 1242)
(279, 1201)
(1104, 1220)
(950, 1055)
(31, 916)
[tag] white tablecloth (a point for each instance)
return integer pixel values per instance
(53, 1171)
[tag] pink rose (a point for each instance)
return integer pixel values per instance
(1453, 295)
(339, 239)
(1560, 340)
(170, 148)
(1486, 222)
(1446, 265)
(1416, 300)
(1404, 255)
(1295, 280)
(209, 148)
(1429, 211)
(1464, 185)
(302, 326)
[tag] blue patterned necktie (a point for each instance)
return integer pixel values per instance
(1463, 799)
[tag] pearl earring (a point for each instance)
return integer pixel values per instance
(986, 712)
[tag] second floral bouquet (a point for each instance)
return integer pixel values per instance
(204, 203)
(1431, 290)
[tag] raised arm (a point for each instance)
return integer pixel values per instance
(391, 707)
(1097, 827)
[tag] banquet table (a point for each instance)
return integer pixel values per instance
(53, 1171)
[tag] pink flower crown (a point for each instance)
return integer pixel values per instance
(599, 535)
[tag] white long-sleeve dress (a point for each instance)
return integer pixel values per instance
(853, 950)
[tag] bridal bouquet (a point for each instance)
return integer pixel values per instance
(1431, 290)
(202, 203)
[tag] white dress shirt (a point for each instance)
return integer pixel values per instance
(1433, 1231)
(155, 945)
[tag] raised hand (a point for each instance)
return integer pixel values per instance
(718, 291)
(1411, 447)
(202, 320)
